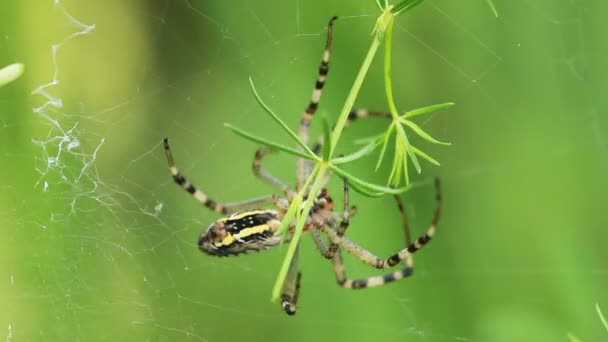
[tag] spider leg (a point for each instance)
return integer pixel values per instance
(406, 226)
(314, 103)
(333, 248)
(349, 211)
(266, 176)
(341, 278)
(375, 281)
(406, 253)
(291, 289)
(225, 208)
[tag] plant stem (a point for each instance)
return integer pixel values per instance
(354, 91)
(399, 132)
(301, 220)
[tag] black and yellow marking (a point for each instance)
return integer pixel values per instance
(180, 180)
(357, 284)
(241, 232)
(313, 105)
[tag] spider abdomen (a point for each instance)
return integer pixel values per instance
(241, 232)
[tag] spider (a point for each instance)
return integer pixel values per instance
(245, 229)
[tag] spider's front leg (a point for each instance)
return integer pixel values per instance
(315, 98)
(222, 208)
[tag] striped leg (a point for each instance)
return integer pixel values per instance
(266, 176)
(291, 289)
(406, 253)
(333, 252)
(376, 281)
(204, 199)
(343, 281)
(314, 103)
(333, 248)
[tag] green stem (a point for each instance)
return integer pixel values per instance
(388, 84)
(291, 250)
(354, 91)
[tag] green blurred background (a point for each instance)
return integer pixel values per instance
(98, 244)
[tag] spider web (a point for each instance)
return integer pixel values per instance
(99, 243)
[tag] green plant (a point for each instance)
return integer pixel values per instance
(327, 162)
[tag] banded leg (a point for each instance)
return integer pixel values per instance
(291, 289)
(200, 196)
(266, 176)
(375, 281)
(333, 252)
(406, 253)
(344, 223)
(338, 267)
(333, 248)
(314, 103)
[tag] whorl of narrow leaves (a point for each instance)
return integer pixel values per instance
(326, 163)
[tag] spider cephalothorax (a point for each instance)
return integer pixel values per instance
(245, 230)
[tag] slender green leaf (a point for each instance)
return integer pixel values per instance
(368, 186)
(384, 145)
(291, 249)
(278, 120)
(327, 140)
(395, 177)
(367, 149)
(573, 338)
(492, 7)
(378, 4)
(426, 110)
(366, 192)
(602, 318)
(424, 156)
(405, 167)
(10, 73)
(424, 135)
(413, 157)
(405, 5)
(265, 142)
(367, 140)
(289, 216)
(318, 175)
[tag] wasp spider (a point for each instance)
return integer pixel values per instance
(246, 229)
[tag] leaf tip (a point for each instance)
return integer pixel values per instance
(11, 72)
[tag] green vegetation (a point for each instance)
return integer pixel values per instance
(100, 244)
(327, 163)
